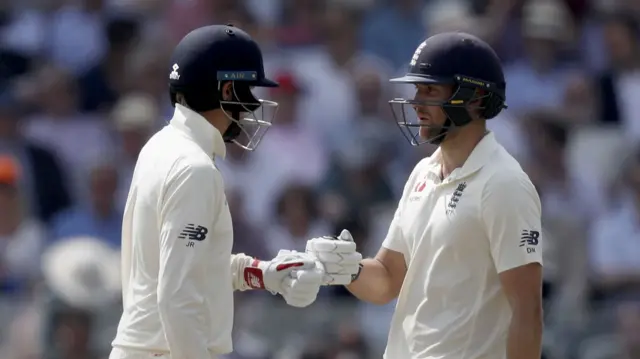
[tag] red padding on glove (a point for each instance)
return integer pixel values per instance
(284, 266)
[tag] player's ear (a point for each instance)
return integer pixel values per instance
(476, 105)
(479, 97)
(227, 91)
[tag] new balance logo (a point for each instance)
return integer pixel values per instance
(193, 233)
(253, 277)
(530, 240)
(174, 75)
(455, 197)
(254, 281)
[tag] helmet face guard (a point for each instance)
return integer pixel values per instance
(469, 94)
(250, 117)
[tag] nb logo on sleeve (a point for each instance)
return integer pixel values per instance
(193, 233)
(530, 240)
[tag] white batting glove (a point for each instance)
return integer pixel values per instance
(270, 275)
(301, 287)
(339, 256)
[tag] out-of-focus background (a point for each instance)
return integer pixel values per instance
(83, 84)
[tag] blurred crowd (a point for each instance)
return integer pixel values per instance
(83, 84)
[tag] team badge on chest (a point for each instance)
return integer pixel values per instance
(455, 198)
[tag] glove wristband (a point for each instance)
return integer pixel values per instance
(355, 276)
(253, 275)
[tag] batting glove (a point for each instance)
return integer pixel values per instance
(270, 275)
(339, 257)
(302, 286)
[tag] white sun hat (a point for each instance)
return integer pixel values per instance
(83, 272)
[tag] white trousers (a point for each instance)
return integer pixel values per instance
(122, 353)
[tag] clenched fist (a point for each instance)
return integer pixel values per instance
(339, 256)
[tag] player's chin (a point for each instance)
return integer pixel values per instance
(427, 133)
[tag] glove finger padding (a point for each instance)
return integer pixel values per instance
(343, 259)
(335, 268)
(330, 245)
(295, 299)
(269, 275)
(309, 276)
(337, 279)
(339, 256)
(302, 287)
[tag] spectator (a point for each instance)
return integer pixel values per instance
(356, 182)
(21, 237)
(75, 36)
(100, 85)
(628, 318)
(619, 84)
(290, 152)
(300, 22)
(614, 246)
(42, 181)
(296, 220)
(539, 80)
(146, 72)
(86, 80)
(72, 330)
(98, 216)
(61, 127)
(134, 118)
(247, 238)
(404, 17)
(327, 74)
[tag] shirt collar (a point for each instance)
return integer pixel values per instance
(199, 130)
(480, 155)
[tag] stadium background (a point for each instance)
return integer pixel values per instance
(83, 84)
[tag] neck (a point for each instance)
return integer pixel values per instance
(217, 119)
(457, 147)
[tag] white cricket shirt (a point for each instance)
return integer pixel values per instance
(456, 235)
(176, 245)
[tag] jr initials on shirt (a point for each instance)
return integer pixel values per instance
(193, 233)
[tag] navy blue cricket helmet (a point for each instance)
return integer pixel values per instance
(207, 58)
(463, 61)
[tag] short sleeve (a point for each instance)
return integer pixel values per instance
(394, 240)
(511, 213)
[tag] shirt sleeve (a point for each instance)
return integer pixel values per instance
(395, 240)
(188, 206)
(511, 213)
